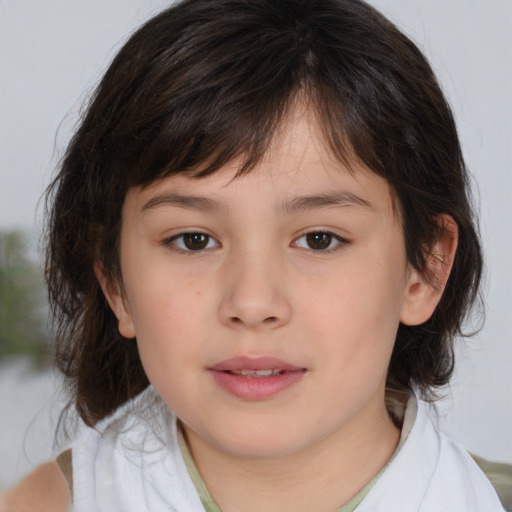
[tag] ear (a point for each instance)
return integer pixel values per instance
(424, 291)
(117, 302)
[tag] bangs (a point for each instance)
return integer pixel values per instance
(201, 101)
(244, 137)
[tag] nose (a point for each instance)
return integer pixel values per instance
(254, 294)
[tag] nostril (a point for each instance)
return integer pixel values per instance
(248, 321)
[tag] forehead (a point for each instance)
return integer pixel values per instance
(297, 164)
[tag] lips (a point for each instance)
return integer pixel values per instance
(255, 378)
(256, 363)
(257, 373)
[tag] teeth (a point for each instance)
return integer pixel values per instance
(265, 373)
(256, 373)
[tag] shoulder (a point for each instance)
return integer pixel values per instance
(42, 490)
(437, 473)
(500, 476)
(458, 479)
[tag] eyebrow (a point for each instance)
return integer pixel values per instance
(325, 200)
(203, 204)
(290, 206)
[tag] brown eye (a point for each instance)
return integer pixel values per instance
(319, 241)
(193, 242)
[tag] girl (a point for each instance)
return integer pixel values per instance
(260, 249)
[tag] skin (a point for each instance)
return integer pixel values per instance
(43, 490)
(259, 288)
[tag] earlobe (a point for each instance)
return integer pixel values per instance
(424, 290)
(117, 303)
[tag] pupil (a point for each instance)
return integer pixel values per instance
(319, 241)
(195, 241)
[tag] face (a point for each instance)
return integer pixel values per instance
(266, 307)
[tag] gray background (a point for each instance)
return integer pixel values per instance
(53, 52)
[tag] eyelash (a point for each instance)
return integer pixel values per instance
(340, 241)
(172, 242)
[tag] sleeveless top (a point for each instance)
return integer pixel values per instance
(138, 460)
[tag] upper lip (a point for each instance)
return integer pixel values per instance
(254, 363)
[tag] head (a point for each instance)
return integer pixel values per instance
(210, 84)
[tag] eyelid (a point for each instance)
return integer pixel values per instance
(170, 241)
(341, 241)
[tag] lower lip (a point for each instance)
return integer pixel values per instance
(256, 388)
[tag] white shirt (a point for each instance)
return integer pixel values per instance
(131, 462)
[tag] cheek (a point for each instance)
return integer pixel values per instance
(171, 327)
(164, 299)
(357, 312)
(168, 347)
(168, 317)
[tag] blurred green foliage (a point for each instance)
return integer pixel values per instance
(24, 328)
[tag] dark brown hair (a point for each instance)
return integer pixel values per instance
(210, 80)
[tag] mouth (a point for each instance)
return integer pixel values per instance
(256, 373)
(253, 366)
(255, 378)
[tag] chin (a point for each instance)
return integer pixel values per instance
(266, 442)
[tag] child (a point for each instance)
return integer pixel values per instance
(260, 249)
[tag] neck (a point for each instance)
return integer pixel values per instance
(321, 477)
